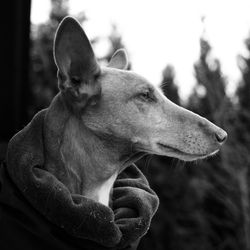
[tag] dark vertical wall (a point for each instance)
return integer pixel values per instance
(14, 90)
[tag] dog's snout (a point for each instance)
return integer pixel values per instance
(221, 136)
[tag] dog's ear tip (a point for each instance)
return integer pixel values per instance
(68, 21)
(68, 18)
(68, 27)
(122, 52)
(119, 60)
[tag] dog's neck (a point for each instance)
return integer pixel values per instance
(91, 169)
(84, 161)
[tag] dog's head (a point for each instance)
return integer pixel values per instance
(121, 104)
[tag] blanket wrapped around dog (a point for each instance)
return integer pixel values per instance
(39, 212)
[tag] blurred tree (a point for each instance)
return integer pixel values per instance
(237, 151)
(243, 91)
(43, 70)
(168, 85)
(59, 9)
(209, 93)
(221, 203)
(115, 41)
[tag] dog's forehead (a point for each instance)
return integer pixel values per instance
(115, 79)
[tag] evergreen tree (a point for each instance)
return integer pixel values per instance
(209, 93)
(221, 206)
(237, 151)
(243, 91)
(116, 42)
(168, 85)
(43, 71)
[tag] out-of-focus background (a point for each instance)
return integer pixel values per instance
(199, 51)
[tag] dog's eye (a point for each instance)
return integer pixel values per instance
(147, 96)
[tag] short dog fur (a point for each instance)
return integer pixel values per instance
(115, 116)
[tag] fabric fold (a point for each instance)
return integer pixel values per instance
(134, 203)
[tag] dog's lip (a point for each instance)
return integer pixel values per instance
(180, 152)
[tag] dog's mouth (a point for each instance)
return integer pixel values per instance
(177, 153)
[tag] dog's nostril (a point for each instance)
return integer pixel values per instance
(221, 137)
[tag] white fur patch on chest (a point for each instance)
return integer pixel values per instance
(104, 190)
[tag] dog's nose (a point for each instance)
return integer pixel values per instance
(221, 136)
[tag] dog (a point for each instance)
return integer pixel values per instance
(116, 116)
(69, 181)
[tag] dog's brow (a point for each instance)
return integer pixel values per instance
(144, 86)
(151, 89)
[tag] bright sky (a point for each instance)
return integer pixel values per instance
(159, 32)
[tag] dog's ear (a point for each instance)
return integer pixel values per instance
(75, 60)
(119, 60)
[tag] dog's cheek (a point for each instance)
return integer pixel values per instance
(140, 106)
